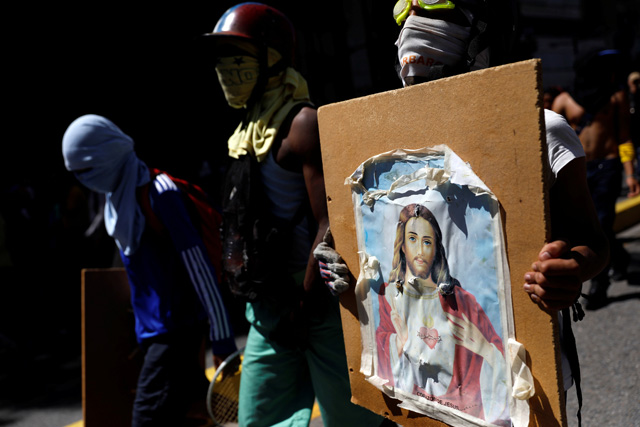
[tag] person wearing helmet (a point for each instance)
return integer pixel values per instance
(442, 38)
(275, 212)
(170, 302)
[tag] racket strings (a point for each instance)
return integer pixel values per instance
(224, 402)
(224, 391)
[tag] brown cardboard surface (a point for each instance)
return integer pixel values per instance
(111, 359)
(492, 119)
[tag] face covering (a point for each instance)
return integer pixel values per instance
(95, 150)
(238, 76)
(102, 158)
(425, 42)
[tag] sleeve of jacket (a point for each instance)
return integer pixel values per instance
(168, 205)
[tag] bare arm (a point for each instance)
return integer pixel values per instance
(566, 106)
(303, 143)
(579, 248)
(631, 179)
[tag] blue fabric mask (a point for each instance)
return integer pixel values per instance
(102, 158)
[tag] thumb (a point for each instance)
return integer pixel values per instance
(328, 237)
(555, 249)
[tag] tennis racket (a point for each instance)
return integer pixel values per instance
(223, 394)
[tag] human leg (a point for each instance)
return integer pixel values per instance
(327, 361)
(171, 379)
(275, 386)
(604, 179)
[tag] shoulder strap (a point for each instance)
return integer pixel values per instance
(203, 213)
(145, 205)
(572, 350)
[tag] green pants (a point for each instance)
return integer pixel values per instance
(279, 384)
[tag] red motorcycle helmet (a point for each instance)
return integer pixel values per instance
(261, 24)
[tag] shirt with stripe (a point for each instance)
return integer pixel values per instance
(172, 280)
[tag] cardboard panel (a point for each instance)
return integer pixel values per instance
(494, 120)
(111, 358)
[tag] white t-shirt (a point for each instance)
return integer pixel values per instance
(562, 142)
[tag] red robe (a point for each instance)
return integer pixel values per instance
(464, 392)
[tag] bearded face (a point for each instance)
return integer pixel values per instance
(419, 247)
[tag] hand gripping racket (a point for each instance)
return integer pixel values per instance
(223, 394)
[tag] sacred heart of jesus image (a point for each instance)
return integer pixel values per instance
(429, 334)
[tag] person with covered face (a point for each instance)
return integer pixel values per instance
(442, 38)
(173, 282)
(434, 339)
(295, 350)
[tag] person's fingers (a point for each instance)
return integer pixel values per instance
(556, 267)
(553, 297)
(555, 249)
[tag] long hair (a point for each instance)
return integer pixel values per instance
(440, 268)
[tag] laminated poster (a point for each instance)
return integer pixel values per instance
(433, 293)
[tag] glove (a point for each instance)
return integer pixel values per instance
(333, 270)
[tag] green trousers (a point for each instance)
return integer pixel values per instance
(279, 384)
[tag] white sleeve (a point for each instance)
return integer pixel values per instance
(563, 144)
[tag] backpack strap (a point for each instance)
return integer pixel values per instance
(569, 346)
(144, 201)
(204, 215)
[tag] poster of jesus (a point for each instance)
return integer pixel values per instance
(436, 294)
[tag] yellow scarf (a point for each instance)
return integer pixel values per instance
(282, 93)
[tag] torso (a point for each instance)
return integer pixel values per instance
(599, 132)
(285, 187)
(599, 138)
(286, 192)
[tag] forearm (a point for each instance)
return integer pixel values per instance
(628, 168)
(631, 178)
(591, 259)
(312, 276)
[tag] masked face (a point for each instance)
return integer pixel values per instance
(95, 150)
(238, 76)
(425, 42)
(99, 179)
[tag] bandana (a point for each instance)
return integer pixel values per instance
(238, 76)
(102, 158)
(255, 135)
(425, 42)
(238, 73)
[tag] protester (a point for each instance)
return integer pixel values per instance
(600, 114)
(274, 214)
(173, 282)
(442, 39)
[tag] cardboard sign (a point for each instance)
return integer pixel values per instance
(493, 120)
(111, 358)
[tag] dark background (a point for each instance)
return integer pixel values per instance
(137, 65)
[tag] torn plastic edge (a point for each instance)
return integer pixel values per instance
(523, 387)
(432, 176)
